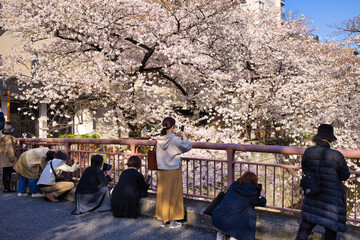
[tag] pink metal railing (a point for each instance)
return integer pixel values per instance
(204, 178)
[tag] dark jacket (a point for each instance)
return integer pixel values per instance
(235, 215)
(126, 194)
(327, 208)
(91, 181)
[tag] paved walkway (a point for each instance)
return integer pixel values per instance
(37, 218)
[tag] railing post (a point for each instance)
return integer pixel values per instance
(133, 148)
(67, 148)
(20, 147)
(230, 166)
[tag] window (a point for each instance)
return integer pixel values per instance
(261, 5)
(1, 31)
(34, 63)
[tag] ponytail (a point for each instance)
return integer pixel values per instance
(167, 123)
(163, 132)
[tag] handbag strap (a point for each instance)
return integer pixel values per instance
(52, 168)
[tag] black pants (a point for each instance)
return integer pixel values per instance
(7, 171)
(306, 228)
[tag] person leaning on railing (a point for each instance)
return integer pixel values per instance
(47, 182)
(169, 198)
(328, 207)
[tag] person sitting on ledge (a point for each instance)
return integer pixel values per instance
(47, 182)
(92, 193)
(129, 189)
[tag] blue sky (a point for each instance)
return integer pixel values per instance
(325, 12)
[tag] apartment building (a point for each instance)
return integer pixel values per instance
(263, 4)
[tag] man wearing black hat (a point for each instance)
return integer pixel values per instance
(326, 208)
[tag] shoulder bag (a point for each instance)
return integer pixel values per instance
(214, 203)
(310, 182)
(57, 178)
(152, 162)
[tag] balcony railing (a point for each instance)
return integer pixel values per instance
(204, 178)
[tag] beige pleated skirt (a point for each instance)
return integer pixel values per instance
(169, 199)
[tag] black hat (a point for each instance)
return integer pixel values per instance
(325, 131)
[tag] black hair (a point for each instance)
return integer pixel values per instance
(50, 155)
(134, 161)
(8, 128)
(167, 123)
(60, 155)
(96, 160)
(319, 138)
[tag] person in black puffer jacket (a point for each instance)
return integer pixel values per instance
(328, 207)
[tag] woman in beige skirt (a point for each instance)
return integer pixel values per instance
(169, 200)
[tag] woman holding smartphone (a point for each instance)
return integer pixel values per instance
(169, 198)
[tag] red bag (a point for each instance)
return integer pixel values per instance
(152, 162)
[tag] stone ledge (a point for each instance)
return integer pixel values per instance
(269, 225)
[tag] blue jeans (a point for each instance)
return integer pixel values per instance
(24, 182)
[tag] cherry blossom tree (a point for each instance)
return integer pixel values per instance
(231, 69)
(351, 29)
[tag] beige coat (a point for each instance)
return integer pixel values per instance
(26, 165)
(7, 151)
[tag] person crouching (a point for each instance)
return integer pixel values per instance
(47, 182)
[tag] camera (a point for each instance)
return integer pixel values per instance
(106, 167)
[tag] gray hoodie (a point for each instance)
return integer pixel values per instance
(169, 149)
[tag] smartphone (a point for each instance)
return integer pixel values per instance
(260, 187)
(182, 128)
(106, 167)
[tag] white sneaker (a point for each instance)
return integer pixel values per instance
(162, 224)
(175, 224)
(22, 194)
(38, 195)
